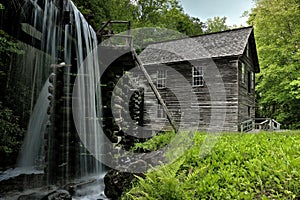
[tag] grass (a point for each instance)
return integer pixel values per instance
(240, 166)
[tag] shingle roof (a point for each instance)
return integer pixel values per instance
(214, 45)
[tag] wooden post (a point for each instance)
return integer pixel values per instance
(128, 42)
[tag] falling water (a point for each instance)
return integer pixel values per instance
(87, 62)
(32, 151)
(53, 42)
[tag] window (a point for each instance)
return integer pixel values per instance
(243, 72)
(248, 50)
(252, 80)
(249, 82)
(198, 76)
(160, 111)
(161, 79)
(249, 111)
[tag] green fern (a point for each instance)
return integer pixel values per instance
(155, 143)
(241, 166)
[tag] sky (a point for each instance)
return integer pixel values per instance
(232, 9)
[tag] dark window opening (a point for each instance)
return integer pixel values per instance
(249, 111)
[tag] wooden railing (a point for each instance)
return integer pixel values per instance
(260, 124)
(247, 125)
(275, 125)
(267, 124)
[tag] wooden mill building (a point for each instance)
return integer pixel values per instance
(229, 56)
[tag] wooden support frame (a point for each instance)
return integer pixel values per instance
(101, 33)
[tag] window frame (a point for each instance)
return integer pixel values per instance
(252, 80)
(198, 76)
(161, 79)
(249, 111)
(248, 50)
(249, 83)
(243, 72)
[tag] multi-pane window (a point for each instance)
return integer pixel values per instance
(161, 78)
(160, 112)
(198, 76)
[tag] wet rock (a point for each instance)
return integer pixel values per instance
(22, 182)
(32, 196)
(117, 182)
(102, 197)
(58, 195)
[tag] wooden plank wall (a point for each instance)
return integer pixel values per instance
(178, 99)
(246, 98)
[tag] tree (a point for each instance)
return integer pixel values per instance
(174, 18)
(94, 11)
(148, 12)
(167, 14)
(216, 24)
(277, 32)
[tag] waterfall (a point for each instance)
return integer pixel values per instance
(87, 88)
(35, 68)
(54, 41)
(32, 151)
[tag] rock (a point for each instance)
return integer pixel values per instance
(58, 195)
(138, 166)
(22, 182)
(32, 196)
(102, 197)
(117, 182)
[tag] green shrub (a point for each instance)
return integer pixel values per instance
(155, 143)
(240, 166)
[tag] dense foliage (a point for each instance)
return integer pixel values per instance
(11, 136)
(216, 24)
(11, 132)
(240, 166)
(277, 33)
(167, 14)
(8, 47)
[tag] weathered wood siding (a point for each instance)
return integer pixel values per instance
(179, 98)
(246, 100)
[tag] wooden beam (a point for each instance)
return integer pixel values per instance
(154, 89)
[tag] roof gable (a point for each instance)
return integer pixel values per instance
(226, 43)
(214, 45)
